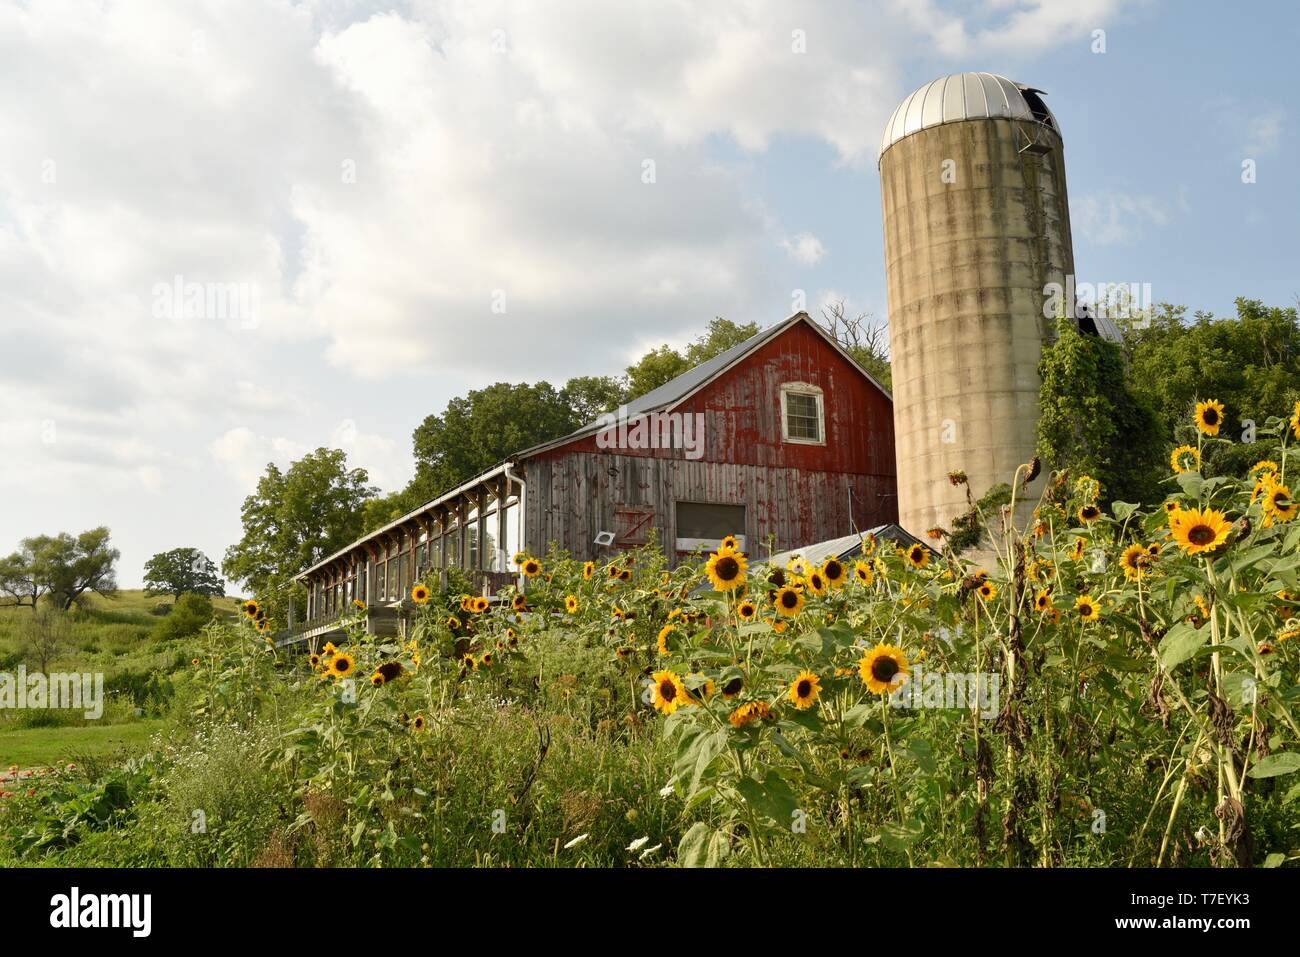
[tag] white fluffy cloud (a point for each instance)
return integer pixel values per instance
(423, 200)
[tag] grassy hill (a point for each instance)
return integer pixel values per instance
(109, 636)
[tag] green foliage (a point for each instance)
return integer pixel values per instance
(191, 615)
(294, 519)
(182, 570)
(969, 527)
(1250, 362)
(65, 567)
(1091, 421)
(665, 363)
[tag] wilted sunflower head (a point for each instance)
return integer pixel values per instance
(453, 622)
(418, 723)
(1089, 513)
(519, 603)
(1185, 458)
(1209, 416)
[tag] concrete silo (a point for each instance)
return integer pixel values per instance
(972, 177)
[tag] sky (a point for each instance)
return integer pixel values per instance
(370, 209)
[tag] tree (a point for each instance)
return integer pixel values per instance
(293, 520)
(19, 582)
(45, 636)
(1091, 422)
(188, 617)
(665, 363)
(182, 570)
(70, 566)
(482, 429)
(589, 397)
(866, 340)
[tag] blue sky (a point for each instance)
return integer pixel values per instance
(499, 147)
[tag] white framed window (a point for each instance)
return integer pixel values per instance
(803, 414)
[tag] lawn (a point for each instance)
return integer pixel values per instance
(35, 747)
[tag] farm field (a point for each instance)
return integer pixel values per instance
(1119, 687)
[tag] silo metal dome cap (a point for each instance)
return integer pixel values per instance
(965, 96)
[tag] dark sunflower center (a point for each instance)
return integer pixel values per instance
(834, 570)
(1200, 535)
(789, 599)
(727, 568)
(804, 688)
(341, 665)
(1211, 417)
(1085, 609)
(916, 554)
(733, 686)
(667, 690)
(884, 668)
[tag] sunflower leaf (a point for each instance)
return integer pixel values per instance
(1275, 765)
(1181, 643)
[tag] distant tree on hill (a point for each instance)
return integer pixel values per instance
(862, 337)
(182, 570)
(20, 581)
(45, 636)
(293, 520)
(188, 617)
(63, 567)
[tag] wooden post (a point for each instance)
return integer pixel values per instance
(503, 493)
(480, 530)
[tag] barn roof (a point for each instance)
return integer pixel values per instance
(845, 547)
(678, 390)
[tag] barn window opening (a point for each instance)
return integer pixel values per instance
(705, 524)
(802, 414)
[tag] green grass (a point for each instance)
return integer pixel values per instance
(35, 747)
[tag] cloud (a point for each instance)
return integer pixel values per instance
(804, 248)
(1113, 218)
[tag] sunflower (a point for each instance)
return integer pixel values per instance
(251, 608)
(341, 665)
(670, 693)
(726, 570)
(1154, 549)
(1262, 467)
(617, 613)
(746, 610)
(834, 572)
(778, 626)
(1209, 416)
(1185, 458)
(816, 583)
(418, 723)
(390, 670)
(749, 712)
(704, 687)
(377, 679)
(1199, 530)
(729, 544)
(1134, 561)
(1279, 506)
(519, 603)
(1086, 608)
(531, 567)
(328, 650)
(1089, 514)
(804, 690)
(664, 633)
(452, 622)
(1043, 600)
(420, 594)
(1076, 550)
(467, 603)
(479, 605)
(862, 572)
(789, 601)
(264, 626)
(520, 558)
(571, 604)
(358, 603)
(195, 661)
(470, 662)
(883, 668)
(798, 565)
(588, 569)
(1295, 420)
(1052, 616)
(918, 556)
(486, 660)
(625, 574)
(987, 590)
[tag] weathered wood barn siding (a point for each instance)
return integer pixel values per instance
(799, 493)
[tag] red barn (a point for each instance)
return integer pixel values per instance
(784, 440)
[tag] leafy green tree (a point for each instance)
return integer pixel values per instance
(1249, 362)
(19, 582)
(293, 520)
(188, 617)
(71, 565)
(1089, 419)
(589, 397)
(482, 429)
(182, 570)
(665, 363)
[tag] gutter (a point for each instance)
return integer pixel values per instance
(507, 470)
